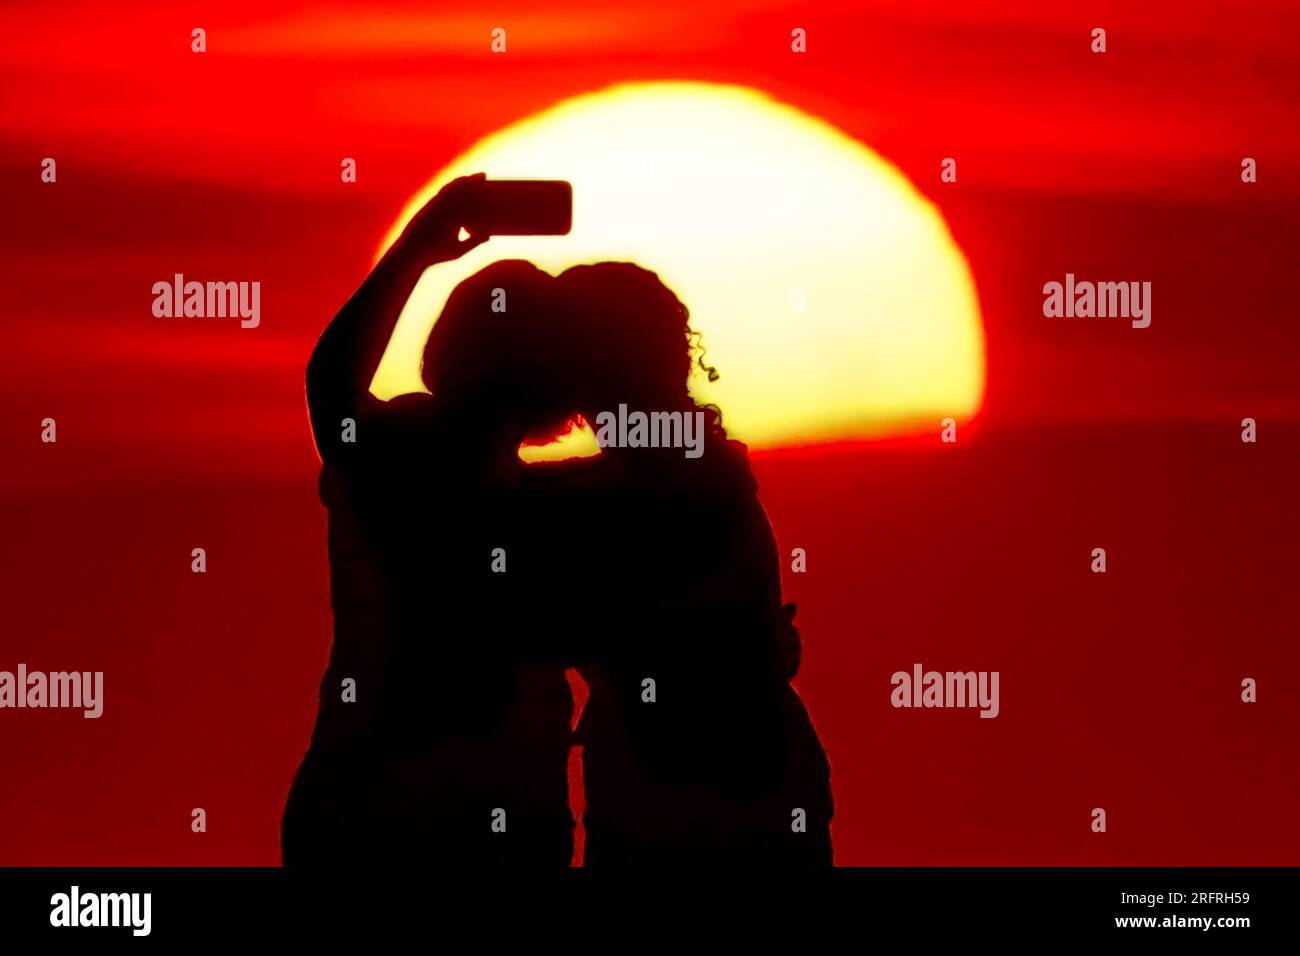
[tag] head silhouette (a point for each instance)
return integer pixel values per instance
(512, 336)
(483, 344)
(631, 340)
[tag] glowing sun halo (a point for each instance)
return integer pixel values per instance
(831, 297)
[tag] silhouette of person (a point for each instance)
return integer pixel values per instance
(654, 574)
(451, 745)
(696, 747)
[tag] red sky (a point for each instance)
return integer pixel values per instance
(1124, 165)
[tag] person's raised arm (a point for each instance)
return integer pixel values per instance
(349, 350)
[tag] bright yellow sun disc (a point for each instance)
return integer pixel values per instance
(831, 296)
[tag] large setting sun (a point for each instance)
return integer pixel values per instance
(830, 294)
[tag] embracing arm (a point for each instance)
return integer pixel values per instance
(349, 350)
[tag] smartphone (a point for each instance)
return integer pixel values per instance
(523, 207)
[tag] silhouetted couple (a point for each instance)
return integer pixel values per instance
(465, 582)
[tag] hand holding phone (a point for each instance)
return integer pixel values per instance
(484, 208)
